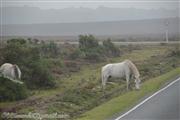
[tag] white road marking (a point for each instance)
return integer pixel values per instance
(147, 99)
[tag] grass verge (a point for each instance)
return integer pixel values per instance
(128, 99)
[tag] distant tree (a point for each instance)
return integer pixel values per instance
(87, 42)
(36, 41)
(53, 48)
(89, 45)
(50, 50)
(110, 48)
(17, 41)
(29, 40)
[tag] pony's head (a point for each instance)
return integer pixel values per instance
(135, 72)
(137, 82)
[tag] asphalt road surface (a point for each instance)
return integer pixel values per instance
(163, 105)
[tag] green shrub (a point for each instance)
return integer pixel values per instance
(110, 48)
(87, 42)
(90, 48)
(10, 91)
(17, 41)
(39, 76)
(75, 54)
(50, 50)
(94, 54)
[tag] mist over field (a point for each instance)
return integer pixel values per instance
(147, 27)
(38, 15)
(105, 21)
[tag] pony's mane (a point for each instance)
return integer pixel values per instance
(133, 68)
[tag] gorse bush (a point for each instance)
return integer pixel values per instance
(75, 54)
(50, 50)
(10, 91)
(90, 47)
(40, 76)
(110, 49)
(87, 42)
(95, 54)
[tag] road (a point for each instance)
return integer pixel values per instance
(129, 43)
(163, 105)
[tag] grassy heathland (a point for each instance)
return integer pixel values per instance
(79, 92)
(128, 99)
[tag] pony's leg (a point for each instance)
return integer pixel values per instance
(104, 80)
(127, 82)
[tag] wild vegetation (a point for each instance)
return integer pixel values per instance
(66, 78)
(40, 61)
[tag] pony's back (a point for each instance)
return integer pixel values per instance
(10, 70)
(4, 65)
(5, 68)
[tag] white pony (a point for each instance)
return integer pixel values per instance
(118, 70)
(12, 72)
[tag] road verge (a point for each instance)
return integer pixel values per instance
(122, 102)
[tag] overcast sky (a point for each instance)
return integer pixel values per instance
(56, 4)
(41, 11)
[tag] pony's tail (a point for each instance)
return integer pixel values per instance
(17, 72)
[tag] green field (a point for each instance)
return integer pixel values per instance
(78, 92)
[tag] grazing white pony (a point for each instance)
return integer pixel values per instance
(12, 72)
(123, 69)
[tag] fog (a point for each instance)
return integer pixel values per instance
(58, 18)
(31, 12)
